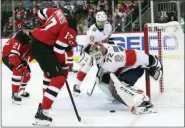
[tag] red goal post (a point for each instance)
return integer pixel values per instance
(166, 40)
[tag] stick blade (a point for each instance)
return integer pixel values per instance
(89, 93)
(79, 119)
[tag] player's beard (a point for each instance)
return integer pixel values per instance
(100, 24)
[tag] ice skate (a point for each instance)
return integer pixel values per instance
(25, 94)
(41, 117)
(76, 90)
(145, 108)
(16, 99)
(72, 70)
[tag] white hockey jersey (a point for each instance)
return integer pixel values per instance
(118, 58)
(95, 34)
(114, 59)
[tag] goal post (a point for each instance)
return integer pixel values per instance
(166, 40)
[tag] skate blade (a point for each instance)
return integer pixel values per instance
(23, 96)
(16, 102)
(148, 111)
(73, 71)
(41, 122)
(76, 94)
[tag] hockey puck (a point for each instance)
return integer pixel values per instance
(112, 111)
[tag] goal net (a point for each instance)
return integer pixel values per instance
(166, 40)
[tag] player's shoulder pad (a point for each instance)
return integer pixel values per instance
(22, 37)
(93, 28)
(108, 25)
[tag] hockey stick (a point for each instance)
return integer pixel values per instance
(90, 93)
(74, 106)
(20, 85)
(22, 78)
(23, 75)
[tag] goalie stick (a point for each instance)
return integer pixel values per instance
(90, 93)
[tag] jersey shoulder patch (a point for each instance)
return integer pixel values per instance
(91, 38)
(94, 29)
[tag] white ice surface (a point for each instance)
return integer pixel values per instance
(93, 110)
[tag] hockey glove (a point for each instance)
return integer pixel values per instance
(156, 69)
(23, 69)
(25, 63)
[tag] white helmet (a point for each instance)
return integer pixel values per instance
(101, 18)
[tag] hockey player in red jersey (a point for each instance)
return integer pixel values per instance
(69, 53)
(49, 44)
(16, 56)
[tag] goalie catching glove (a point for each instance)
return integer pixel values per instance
(155, 69)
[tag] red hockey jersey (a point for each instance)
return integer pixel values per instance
(17, 49)
(55, 30)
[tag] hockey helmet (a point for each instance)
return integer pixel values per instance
(101, 18)
(79, 12)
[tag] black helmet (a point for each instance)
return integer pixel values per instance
(72, 23)
(80, 11)
(22, 37)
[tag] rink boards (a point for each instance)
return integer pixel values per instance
(133, 41)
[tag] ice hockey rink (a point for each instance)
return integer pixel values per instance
(94, 110)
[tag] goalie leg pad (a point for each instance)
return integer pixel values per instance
(136, 100)
(127, 94)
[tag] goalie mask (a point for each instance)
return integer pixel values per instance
(97, 52)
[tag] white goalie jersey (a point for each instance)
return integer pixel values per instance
(116, 58)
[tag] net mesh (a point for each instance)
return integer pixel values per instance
(167, 41)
